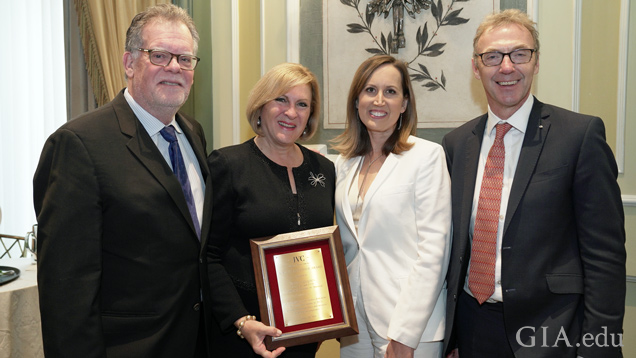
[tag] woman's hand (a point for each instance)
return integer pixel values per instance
(396, 349)
(255, 333)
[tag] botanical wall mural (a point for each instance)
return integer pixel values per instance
(433, 36)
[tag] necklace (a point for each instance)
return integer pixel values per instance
(366, 174)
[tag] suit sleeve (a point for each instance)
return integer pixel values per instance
(421, 291)
(69, 215)
(226, 302)
(601, 232)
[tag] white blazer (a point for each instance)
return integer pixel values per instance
(398, 260)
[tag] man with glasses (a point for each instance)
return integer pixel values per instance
(122, 197)
(537, 266)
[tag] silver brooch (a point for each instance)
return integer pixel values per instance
(317, 179)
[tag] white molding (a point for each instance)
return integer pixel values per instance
(534, 6)
(631, 279)
(629, 200)
(236, 73)
(576, 55)
(293, 31)
(622, 85)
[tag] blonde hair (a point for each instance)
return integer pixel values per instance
(507, 17)
(275, 83)
(355, 141)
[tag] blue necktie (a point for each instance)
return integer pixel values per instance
(178, 167)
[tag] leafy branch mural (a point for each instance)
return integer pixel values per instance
(426, 44)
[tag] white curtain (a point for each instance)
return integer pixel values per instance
(32, 100)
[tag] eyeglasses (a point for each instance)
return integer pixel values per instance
(494, 58)
(163, 58)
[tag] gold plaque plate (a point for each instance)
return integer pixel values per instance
(302, 283)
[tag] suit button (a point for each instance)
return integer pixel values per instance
(200, 260)
(461, 259)
(454, 298)
(197, 306)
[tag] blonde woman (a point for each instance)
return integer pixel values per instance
(266, 186)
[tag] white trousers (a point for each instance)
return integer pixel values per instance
(369, 344)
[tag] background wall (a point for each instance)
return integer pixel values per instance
(598, 92)
(628, 186)
(579, 70)
(199, 99)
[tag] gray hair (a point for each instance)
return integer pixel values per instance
(164, 12)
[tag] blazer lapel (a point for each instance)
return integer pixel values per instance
(536, 134)
(350, 168)
(144, 149)
(387, 168)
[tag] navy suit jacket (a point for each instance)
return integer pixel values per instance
(120, 268)
(563, 247)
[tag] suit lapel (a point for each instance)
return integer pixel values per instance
(195, 143)
(536, 134)
(144, 149)
(200, 153)
(473, 148)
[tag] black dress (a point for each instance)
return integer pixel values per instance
(252, 198)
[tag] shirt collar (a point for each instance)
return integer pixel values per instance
(519, 120)
(150, 122)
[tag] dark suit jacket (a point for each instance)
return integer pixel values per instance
(563, 248)
(120, 268)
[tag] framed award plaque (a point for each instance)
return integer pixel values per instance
(303, 286)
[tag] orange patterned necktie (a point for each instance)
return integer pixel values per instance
(481, 278)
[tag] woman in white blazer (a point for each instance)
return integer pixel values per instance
(393, 207)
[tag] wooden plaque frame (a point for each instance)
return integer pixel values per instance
(344, 321)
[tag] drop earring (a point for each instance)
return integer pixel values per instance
(399, 122)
